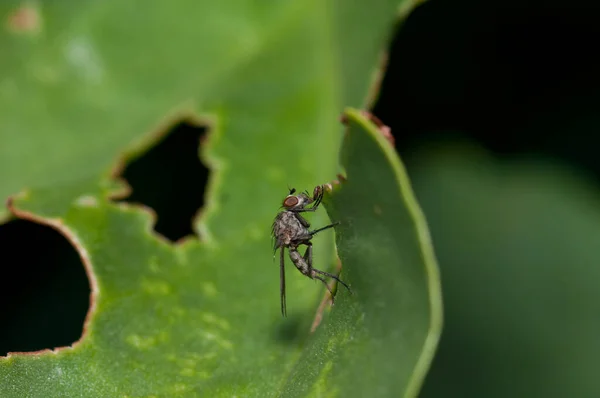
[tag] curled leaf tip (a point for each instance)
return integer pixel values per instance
(385, 130)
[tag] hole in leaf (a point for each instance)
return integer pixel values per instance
(45, 292)
(170, 179)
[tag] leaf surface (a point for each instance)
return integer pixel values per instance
(87, 85)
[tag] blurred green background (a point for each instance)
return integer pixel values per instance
(494, 108)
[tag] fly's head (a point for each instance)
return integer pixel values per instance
(296, 202)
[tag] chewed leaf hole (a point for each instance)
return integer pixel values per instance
(45, 292)
(171, 179)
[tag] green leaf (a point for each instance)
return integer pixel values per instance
(380, 340)
(517, 241)
(89, 84)
(90, 79)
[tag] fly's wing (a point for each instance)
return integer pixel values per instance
(277, 244)
(282, 281)
(274, 244)
(275, 239)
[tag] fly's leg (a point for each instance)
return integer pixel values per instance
(316, 231)
(300, 262)
(313, 271)
(308, 259)
(282, 280)
(303, 210)
(308, 254)
(302, 220)
(327, 286)
(316, 200)
(317, 196)
(303, 239)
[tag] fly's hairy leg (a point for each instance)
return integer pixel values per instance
(316, 231)
(332, 276)
(306, 238)
(282, 280)
(304, 210)
(327, 286)
(315, 205)
(308, 254)
(299, 262)
(308, 258)
(317, 200)
(314, 271)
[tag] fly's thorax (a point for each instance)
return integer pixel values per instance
(288, 227)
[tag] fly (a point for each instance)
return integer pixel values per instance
(290, 230)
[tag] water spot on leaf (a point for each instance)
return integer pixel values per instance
(45, 293)
(156, 287)
(141, 342)
(219, 340)
(180, 388)
(146, 342)
(84, 59)
(212, 319)
(86, 201)
(189, 372)
(171, 179)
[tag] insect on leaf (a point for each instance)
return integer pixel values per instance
(380, 340)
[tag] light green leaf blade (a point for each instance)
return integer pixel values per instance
(94, 76)
(95, 83)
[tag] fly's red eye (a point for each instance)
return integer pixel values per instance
(290, 201)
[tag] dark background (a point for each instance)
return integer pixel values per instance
(518, 79)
